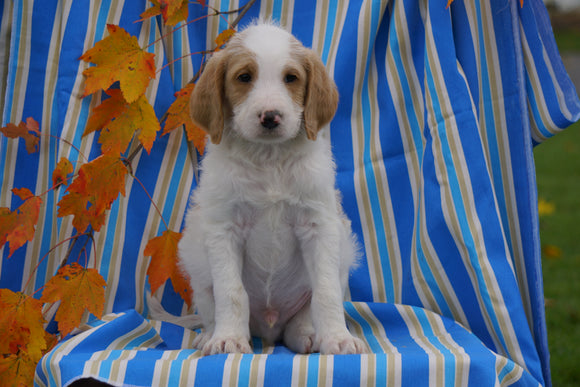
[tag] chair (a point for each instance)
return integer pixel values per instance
(439, 110)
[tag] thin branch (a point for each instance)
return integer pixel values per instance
(74, 239)
(152, 201)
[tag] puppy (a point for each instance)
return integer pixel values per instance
(266, 243)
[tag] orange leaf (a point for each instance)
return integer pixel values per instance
(17, 227)
(22, 193)
(173, 11)
(551, 251)
(119, 121)
(163, 265)
(92, 192)
(224, 36)
(182, 285)
(17, 370)
(154, 10)
(178, 114)
(77, 289)
(118, 57)
(21, 325)
(61, 172)
(28, 131)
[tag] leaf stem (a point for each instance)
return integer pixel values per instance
(152, 201)
(73, 238)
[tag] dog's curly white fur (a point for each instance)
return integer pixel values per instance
(266, 243)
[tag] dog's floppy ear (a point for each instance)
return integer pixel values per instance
(321, 96)
(206, 105)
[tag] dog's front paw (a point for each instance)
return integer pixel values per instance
(341, 344)
(300, 342)
(220, 344)
(202, 338)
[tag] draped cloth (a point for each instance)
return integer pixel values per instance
(439, 110)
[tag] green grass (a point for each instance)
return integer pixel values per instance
(568, 40)
(558, 177)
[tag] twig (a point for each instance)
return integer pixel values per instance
(242, 12)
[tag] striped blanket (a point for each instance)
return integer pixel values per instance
(439, 110)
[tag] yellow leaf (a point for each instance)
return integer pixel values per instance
(545, 207)
(118, 57)
(78, 289)
(21, 325)
(224, 36)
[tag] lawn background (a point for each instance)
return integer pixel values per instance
(558, 177)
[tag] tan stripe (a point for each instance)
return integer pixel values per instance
(21, 76)
(119, 366)
(462, 359)
(232, 370)
(299, 370)
(257, 370)
(393, 358)
(467, 197)
(5, 36)
(436, 359)
(287, 14)
(383, 192)
(411, 152)
(505, 161)
(530, 69)
(442, 281)
(361, 188)
(321, 21)
(189, 369)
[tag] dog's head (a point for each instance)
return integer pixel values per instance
(266, 86)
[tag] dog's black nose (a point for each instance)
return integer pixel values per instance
(270, 119)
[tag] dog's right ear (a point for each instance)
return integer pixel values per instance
(206, 105)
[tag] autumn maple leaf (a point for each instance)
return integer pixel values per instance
(119, 121)
(61, 172)
(163, 265)
(26, 130)
(173, 11)
(224, 36)
(178, 114)
(18, 226)
(118, 57)
(21, 325)
(78, 289)
(17, 370)
(92, 192)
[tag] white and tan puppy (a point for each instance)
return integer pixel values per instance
(266, 244)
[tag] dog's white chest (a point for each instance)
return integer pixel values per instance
(271, 243)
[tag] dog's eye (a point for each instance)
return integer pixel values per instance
(289, 78)
(245, 78)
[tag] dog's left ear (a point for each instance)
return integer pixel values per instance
(321, 96)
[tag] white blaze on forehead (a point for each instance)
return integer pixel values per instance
(269, 43)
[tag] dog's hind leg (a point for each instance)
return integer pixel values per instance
(299, 334)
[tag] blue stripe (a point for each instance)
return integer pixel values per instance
(313, 369)
(244, 370)
(440, 131)
(341, 137)
(370, 338)
(178, 81)
(277, 9)
(329, 33)
(447, 354)
(369, 171)
(13, 60)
